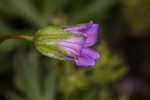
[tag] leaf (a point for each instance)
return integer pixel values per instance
(91, 95)
(95, 8)
(50, 6)
(50, 84)
(29, 79)
(105, 94)
(6, 9)
(14, 96)
(25, 9)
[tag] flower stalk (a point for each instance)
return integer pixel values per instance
(16, 36)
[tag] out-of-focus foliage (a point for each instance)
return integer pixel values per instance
(102, 75)
(72, 83)
(30, 76)
(137, 13)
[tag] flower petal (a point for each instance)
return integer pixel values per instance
(90, 53)
(72, 46)
(84, 61)
(89, 30)
(68, 58)
(91, 35)
(80, 29)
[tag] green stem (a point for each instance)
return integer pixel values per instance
(16, 36)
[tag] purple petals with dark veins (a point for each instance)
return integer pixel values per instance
(80, 29)
(90, 53)
(88, 30)
(84, 61)
(87, 57)
(91, 35)
(72, 46)
(78, 46)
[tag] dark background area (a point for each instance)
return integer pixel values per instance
(122, 72)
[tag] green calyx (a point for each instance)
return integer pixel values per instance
(45, 39)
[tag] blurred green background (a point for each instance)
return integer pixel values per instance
(122, 72)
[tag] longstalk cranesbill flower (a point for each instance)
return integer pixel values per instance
(69, 43)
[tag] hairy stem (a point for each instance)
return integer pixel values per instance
(16, 36)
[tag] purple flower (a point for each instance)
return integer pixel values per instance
(78, 46)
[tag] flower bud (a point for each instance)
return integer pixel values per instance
(45, 41)
(69, 43)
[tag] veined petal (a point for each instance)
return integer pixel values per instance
(84, 61)
(89, 30)
(72, 46)
(91, 35)
(90, 53)
(68, 58)
(79, 29)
